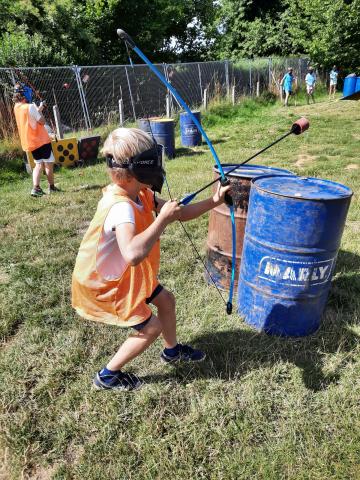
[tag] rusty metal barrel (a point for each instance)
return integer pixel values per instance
(219, 241)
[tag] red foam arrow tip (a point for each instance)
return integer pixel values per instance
(300, 126)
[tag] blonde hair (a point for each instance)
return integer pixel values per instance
(122, 144)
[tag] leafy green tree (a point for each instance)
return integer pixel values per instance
(248, 28)
(84, 31)
(165, 30)
(326, 30)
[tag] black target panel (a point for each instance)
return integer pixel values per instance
(89, 147)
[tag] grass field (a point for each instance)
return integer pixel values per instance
(259, 407)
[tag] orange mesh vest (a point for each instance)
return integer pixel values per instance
(120, 301)
(30, 138)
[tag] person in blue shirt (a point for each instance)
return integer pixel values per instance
(310, 81)
(333, 81)
(287, 83)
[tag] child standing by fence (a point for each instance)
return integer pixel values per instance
(310, 81)
(333, 82)
(34, 138)
(287, 82)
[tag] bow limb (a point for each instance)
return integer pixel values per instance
(124, 36)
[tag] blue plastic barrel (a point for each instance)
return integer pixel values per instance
(144, 123)
(357, 86)
(292, 237)
(164, 133)
(219, 244)
(190, 134)
(349, 84)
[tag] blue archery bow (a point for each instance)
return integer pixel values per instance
(224, 181)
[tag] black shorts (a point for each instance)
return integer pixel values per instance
(43, 152)
(155, 293)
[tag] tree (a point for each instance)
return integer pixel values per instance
(329, 30)
(62, 32)
(326, 30)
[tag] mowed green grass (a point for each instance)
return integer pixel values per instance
(259, 407)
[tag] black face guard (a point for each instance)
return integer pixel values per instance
(146, 167)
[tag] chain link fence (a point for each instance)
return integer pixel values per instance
(88, 96)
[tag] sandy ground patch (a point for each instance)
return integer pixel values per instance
(352, 166)
(82, 228)
(304, 159)
(354, 225)
(4, 278)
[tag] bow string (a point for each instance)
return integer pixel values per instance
(223, 179)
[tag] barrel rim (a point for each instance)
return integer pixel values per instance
(351, 193)
(162, 120)
(192, 111)
(255, 166)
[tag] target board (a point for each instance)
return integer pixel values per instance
(65, 152)
(89, 148)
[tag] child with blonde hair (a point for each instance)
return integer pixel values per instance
(116, 272)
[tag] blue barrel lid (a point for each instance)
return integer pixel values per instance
(195, 112)
(251, 171)
(306, 188)
(161, 120)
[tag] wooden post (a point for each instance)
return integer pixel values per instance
(258, 89)
(168, 105)
(205, 97)
(233, 94)
(59, 130)
(121, 112)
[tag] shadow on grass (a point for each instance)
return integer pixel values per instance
(188, 152)
(95, 186)
(217, 141)
(233, 353)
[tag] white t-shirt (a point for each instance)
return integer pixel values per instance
(333, 77)
(34, 115)
(110, 263)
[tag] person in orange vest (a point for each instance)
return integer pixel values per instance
(116, 271)
(34, 138)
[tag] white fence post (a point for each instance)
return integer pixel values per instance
(205, 99)
(227, 78)
(250, 78)
(121, 112)
(270, 70)
(258, 88)
(59, 130)
(168, 105)
(200, 82)
(83, 106)
(233, 97)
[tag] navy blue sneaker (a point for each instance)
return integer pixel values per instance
(185, 353)
(120, 381)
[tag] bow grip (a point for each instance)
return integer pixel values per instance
(224, 182)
